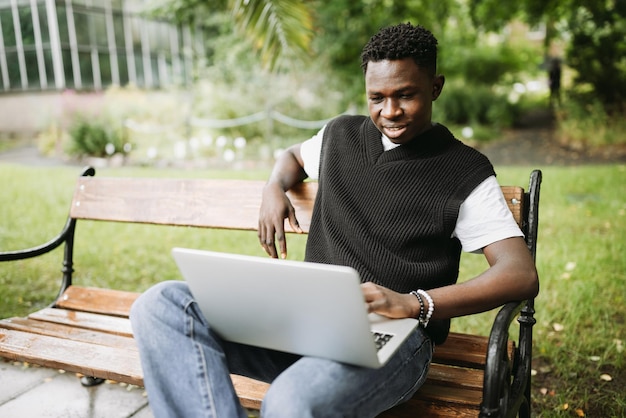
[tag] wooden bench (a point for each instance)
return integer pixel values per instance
(87, 331)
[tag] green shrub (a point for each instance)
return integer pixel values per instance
(487, 64)
(479, 104)
(586, 123)
(96, 138)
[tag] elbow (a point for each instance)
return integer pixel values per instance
(531, 284)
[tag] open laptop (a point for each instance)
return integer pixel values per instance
(299, 307)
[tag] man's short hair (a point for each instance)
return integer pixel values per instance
(399, 42)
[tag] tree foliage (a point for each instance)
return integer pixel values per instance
(344, 26)
(598, 50)
(596, 30)
(337, 31)
(277, 29)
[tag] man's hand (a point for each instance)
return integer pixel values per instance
(388, 303)
(275, 207)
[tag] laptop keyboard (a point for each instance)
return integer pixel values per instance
(380, 339)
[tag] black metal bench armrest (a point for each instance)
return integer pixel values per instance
(66, 236)
(496, 384)
(506, 387)
(506, 381)
(40, 249)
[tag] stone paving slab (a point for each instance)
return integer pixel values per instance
(30, 391)
(39, 392)
(15, 379)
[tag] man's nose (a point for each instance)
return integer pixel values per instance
(391, 109)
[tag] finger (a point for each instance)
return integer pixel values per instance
(270, 247)
(266, 239)
(293, 221)
(282, 241)
(261, 234)
(369, 290)
(282, 244)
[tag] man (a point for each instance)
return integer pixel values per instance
(398, 198)
(554, 81)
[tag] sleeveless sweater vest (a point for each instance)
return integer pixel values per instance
(391, 214)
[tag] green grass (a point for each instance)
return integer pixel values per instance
(580, 331)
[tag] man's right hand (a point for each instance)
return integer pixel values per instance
(275, 207)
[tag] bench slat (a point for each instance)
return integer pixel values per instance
(450, 395)
(70, 332)
(438, 401)
(254, 390)
(97, 300)
(142, 200)
(430, 410)
(234, 204)
(457, 377)
(514, 196)
(467, 350)
(464, 351)
(92, 360)
(85, 320)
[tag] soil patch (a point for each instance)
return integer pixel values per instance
(534, 142)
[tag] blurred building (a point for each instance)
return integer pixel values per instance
(89, 45)
(51, 46)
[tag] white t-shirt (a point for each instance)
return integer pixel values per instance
(484, 216)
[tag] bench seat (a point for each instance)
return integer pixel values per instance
(93, 324)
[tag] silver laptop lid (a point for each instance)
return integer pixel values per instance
(299, 307)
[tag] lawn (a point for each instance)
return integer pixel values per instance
(579, 367)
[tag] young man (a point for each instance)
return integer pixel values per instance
(398, 199)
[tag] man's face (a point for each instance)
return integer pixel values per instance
(400, 96)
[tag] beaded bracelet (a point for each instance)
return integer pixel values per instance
(431, 306)
(421, 301)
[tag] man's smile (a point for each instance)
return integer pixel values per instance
(394, 131)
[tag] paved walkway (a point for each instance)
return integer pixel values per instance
(28, 155)
(37, 392)
(27, 392)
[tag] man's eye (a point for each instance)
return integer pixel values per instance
(376, 99)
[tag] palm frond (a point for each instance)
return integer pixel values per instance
(277, 28)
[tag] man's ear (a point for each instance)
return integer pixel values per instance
(438, 83)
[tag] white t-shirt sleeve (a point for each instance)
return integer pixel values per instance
(485, 218)
(310, 152)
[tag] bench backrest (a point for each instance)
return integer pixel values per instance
(212, 203)
(227, 204)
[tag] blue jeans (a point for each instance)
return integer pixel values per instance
(187, 366)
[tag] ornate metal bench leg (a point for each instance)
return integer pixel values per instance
(89, 381)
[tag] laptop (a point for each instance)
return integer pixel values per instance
(298, 307)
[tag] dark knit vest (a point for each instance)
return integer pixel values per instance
(390, 215)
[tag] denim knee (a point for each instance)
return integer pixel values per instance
(150, 304)
(291, 401)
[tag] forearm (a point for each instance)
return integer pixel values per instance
(469, 297)
(288, 169)
(511, 276)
